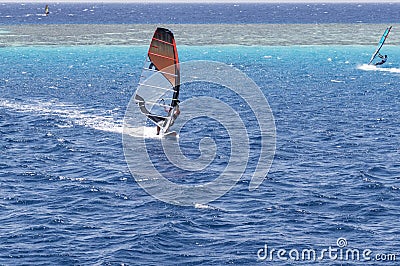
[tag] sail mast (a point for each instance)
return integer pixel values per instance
(380, 44)
(162, 65)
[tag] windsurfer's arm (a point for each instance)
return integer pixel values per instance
(177, 112)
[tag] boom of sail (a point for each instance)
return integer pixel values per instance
(158, 90)
(380, 44)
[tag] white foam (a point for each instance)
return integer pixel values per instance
(367, 67)
(146, 132)
(337, 81)
(73, 114)
(142, 132)
(204, 206)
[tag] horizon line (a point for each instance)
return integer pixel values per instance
(209, 1)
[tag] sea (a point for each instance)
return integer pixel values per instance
(73, 184)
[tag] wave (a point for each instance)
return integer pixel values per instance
(147, 132)
(367, 67)
(73, 114)
(76, 115)
(205, 206)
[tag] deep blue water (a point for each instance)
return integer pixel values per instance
(67, 196)
(89, 13)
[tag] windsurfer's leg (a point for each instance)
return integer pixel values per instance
(158, 130)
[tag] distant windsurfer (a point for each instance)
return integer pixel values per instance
(384, 59)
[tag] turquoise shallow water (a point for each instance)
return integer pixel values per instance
(67, 196)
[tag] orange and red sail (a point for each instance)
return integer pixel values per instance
(158, 89)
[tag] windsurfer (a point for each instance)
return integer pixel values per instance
(384, 58)
(162, 54)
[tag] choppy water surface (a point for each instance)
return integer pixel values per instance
(198, 13)
(67, 196)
